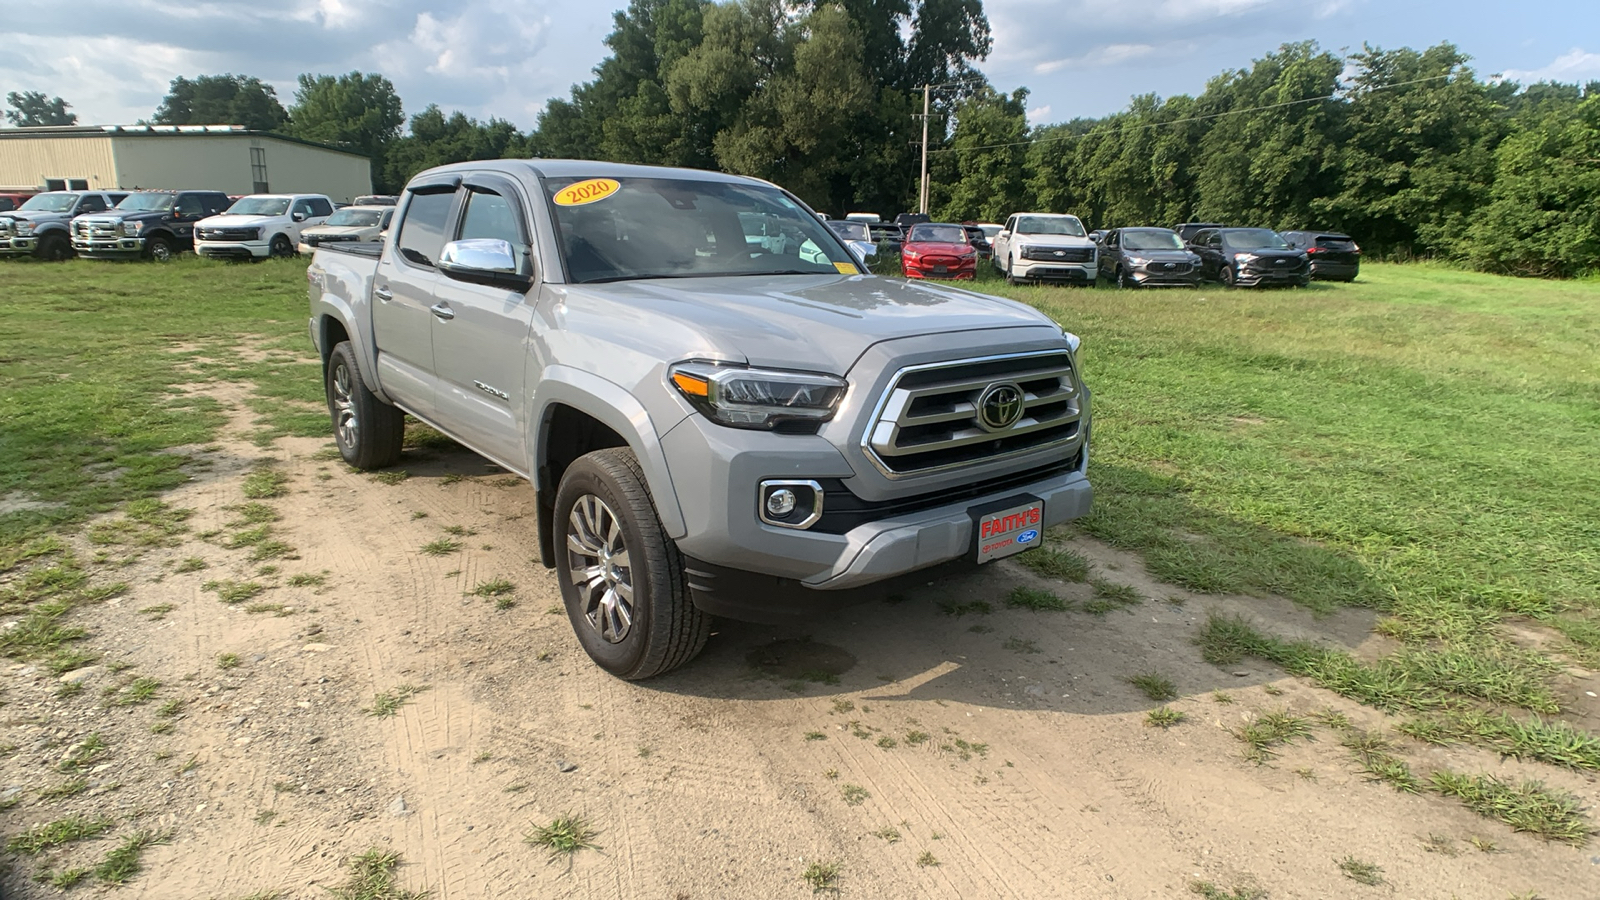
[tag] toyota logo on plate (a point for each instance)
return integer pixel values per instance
(1000, 406)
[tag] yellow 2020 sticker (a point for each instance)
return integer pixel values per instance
(847, 268)
(587, 191)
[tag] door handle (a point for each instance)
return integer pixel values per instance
(383, 294)
(442, 310)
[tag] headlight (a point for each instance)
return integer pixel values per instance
(24, 227)
(1073, 341)
(1243, 257)
(1138, 261)
(756, 398)
(130, 229)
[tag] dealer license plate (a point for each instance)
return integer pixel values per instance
(941, 270)
(1008, 531)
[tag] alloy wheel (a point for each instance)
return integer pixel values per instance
(598, 565)
(344, 407)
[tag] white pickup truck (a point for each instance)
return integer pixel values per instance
(1035, 247)
(716, 422)
(260, 226)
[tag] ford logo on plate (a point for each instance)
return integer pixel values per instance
(1027, 536)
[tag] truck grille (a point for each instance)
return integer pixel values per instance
(1059, 254)
(228, 234)
(935, 416)
(89, 229)
(5, 228)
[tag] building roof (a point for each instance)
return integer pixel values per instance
(71, 131)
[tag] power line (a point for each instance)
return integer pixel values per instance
(1231, 112)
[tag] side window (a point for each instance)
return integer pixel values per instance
(422, 229)
(321, 207)
(388, 217)
(189, 205)
(217, 204)
(301, 208)
(489, 215)
(1011, 224)
(92, 203)
(1113, 238)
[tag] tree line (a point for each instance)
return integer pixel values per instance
(1408, 151)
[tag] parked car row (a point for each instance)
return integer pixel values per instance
(157, 224)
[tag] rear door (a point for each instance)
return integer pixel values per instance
(482, 334)
(403, 294)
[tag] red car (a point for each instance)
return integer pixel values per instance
(938, 250)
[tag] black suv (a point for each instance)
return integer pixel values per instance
(152, 224)
(1334, 256)
(1147, 257)
(1249, 257)
(1188, 230)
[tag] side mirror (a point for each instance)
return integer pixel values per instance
(488, 261)
(298, 217)
(1004, 234)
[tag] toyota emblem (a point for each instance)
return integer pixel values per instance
(1000, 406)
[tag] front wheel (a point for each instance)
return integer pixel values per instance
(1226, 276)
(1123, 281)
(1010, 278)
(369, 432)
(622, 579)
(281, 247)
(54, 247)
(158, 248)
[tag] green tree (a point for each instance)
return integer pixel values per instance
(982, 175)
(1417, 157)
(222, 100)
(1544, 219)
(33, 108)
(435, 140)
(361, 111)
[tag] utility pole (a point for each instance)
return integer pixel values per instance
(926, 90)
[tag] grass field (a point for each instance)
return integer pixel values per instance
(1422, 442)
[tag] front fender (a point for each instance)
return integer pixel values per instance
(618, 410)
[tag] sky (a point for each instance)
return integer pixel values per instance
(113, 59)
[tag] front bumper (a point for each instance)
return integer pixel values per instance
(1249, 278)
(18, 246)
(233, 249)
(742, 568)
(1074, 273)
(959, 272)
(108, 248)
(1158, 278)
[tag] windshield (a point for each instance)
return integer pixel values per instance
(1254, 239)
(625, 229)
(376, 200)
(260, 206)
(356, 217)
(989, 231)
(938, 234)
(51, 202)
(1150, 239)
(850, 231)
(1068, 225)
(148, 202)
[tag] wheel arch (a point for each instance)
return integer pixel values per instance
(576, 413)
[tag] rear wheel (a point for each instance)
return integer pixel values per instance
(368, 431)
(622, 579)
(54, 247)
(281, 247)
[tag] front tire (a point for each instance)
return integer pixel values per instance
(281, 247)
(1123, 281)
(1010, 278)
(622, 579)
(54, 247)
(369, 432)
(1226, 276)
(158, 248)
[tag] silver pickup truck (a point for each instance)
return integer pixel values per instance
(721, 412)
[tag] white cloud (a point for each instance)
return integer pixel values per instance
(1099, 57)
(1039, 114)
(1576, 65)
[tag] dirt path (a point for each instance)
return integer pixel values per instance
(976, 755)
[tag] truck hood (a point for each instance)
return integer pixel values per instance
(123, 215)
(36, 216)
(804, 322)
(227, 221)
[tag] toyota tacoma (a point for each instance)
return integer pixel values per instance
(715, 424)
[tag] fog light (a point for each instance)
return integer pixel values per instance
(780, 503)
(789, 504)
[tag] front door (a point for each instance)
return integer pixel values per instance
(403, 294)
(482, 335)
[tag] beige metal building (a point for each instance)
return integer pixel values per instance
(225, 158)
